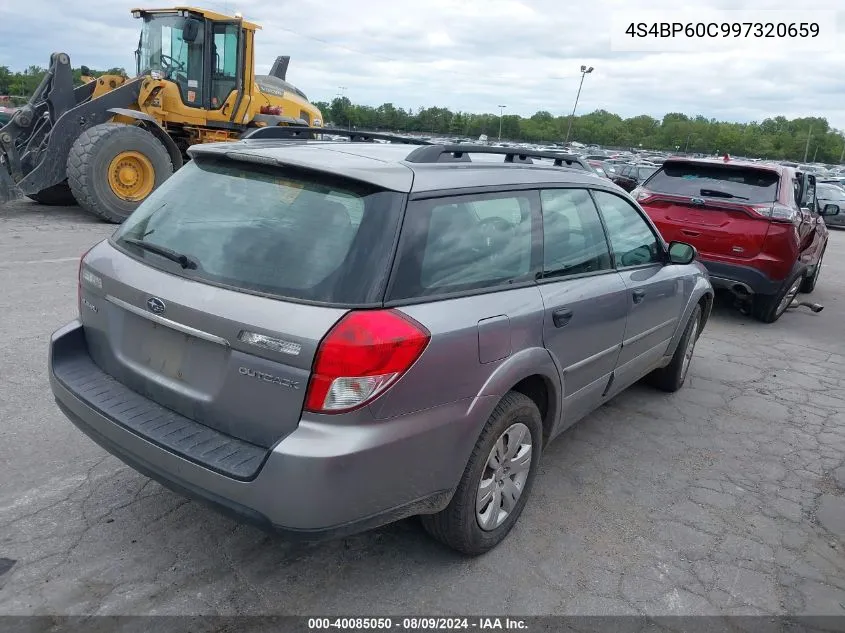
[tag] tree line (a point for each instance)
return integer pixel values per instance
(24, 83)
(775, 138)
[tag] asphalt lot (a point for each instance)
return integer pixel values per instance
(725, 498)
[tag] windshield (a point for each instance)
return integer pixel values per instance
(277, 231)
(717, 181)
(829, 192)
(163, 48)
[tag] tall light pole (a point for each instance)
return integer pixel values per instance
(807, 146)
(501, 115)
(584, 71)
(341, 94)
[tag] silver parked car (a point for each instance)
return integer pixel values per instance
(832, 195)
(326, 337)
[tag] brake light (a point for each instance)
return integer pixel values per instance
(640, 194)
(88, 276)
(776, 212)
(361, 357)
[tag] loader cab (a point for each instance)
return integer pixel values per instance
(203, 53)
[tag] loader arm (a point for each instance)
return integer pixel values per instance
(34, 145)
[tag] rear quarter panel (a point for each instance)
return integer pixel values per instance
(481, 346)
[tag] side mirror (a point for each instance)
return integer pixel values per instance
(830, 209)
(190, 30)
(682, 253)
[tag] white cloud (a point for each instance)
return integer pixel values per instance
(470, 55)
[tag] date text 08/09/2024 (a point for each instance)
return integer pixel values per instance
(419, 624)
(724, 29)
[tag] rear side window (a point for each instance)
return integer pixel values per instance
(465, 243)
(288, 233)
(746, 184)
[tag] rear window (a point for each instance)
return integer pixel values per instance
(287, 233)
(828, 192)
(716, 181)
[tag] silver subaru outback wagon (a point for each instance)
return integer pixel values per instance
(324, 337)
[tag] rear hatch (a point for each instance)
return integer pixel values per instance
(212, 298)
(721, 209)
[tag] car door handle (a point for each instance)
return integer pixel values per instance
(638, 295)
(561, 316)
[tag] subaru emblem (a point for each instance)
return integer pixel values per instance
(156, 305)
(697, 200)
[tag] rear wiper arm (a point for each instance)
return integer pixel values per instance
(183, 260)
(715, 193)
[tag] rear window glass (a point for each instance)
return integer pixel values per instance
(828, 192)
(716, 181)
(288, 233)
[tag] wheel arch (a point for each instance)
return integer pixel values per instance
(531, 372)
(152, 126)
(702, 295)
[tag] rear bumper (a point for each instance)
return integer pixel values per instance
(325, 479)
(728, 276)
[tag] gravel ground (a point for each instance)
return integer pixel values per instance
(725, 498)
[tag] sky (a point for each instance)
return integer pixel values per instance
(474, 55)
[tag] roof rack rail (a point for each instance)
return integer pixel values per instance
(460, 153)
(298, 132)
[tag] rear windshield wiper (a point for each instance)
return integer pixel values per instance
(183, 260)
(715, 193)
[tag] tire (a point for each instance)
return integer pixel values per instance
(769, 308)
(672, 377)
(458, 525)
(809, 283)
(94, 153)
(57, 195)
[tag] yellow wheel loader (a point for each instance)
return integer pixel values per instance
(109, 143)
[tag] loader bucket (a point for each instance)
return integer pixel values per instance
(8, 189)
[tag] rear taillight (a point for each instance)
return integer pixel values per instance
(641, 195)
(776, 212)
(361, 356)
(88, 276)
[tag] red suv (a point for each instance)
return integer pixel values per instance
(757, 226)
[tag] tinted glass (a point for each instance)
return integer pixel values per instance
(631, 239)
(464, 243)
(716, 181)
(573, 238)
(645, 172)
(292, 234)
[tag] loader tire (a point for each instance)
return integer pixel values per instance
(57, 195)
(113, 167)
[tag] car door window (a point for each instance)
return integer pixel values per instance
(632, 241)
(573, 239)
(465, 243)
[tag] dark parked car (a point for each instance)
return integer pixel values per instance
(6, 114)
(323, 337)
(758, 227)
(629, 177)
(828, 194)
